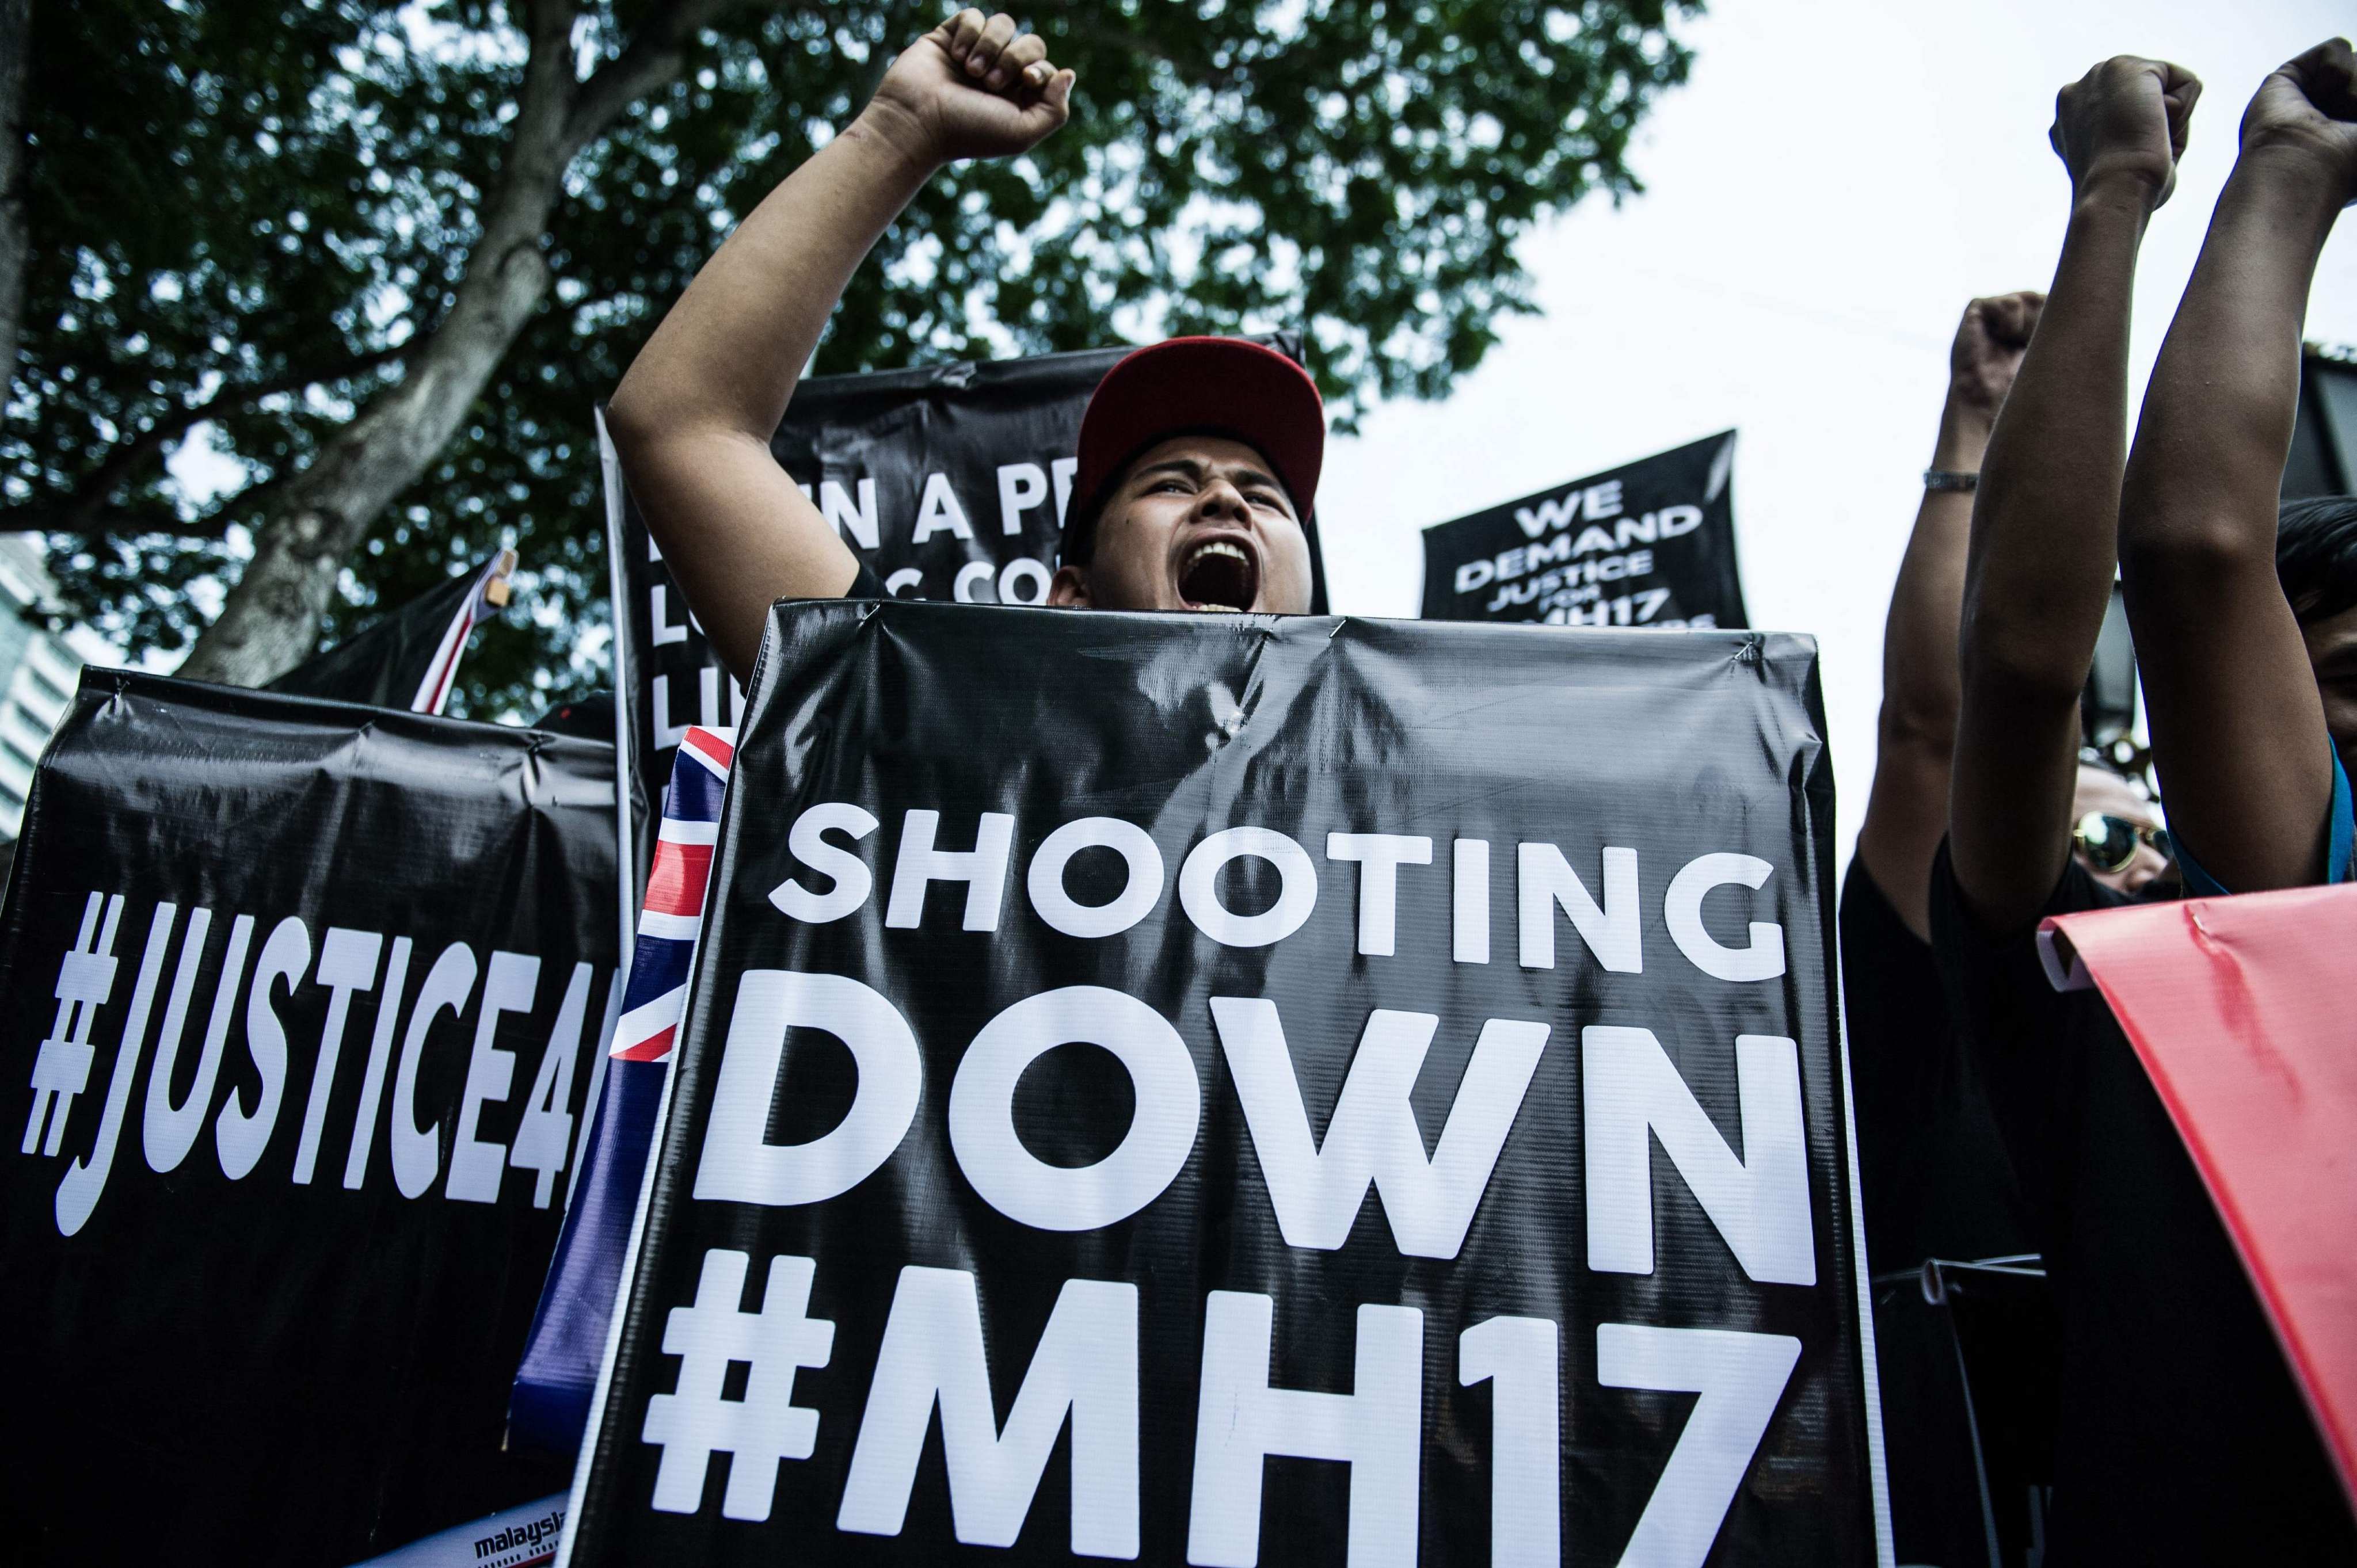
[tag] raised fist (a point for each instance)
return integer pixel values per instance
(1990, 341)
(973, 88)
(2309, 106)
(2124, 122)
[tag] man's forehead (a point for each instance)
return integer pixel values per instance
(1200, 452)
(2102, 790)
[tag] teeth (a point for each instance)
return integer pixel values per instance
(1216, 547)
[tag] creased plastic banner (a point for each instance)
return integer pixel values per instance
(307, 1004)
(1128, 1050)
(1648, 544)
(2238, 1009)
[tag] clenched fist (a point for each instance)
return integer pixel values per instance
(2310, 107)
(971, 88)
(2124, 123)
(1990, 342)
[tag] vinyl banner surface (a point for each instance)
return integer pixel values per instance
(306, 1005)
(1276, 1089)
(1650, 544)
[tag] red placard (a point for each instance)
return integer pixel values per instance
(2240, 1009)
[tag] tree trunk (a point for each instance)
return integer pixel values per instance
(14, 17)
(270, 622)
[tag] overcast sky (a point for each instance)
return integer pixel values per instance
(1831, 185)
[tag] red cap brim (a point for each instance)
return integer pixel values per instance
(1224, 386)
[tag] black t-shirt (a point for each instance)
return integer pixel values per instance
(1931, 1167)
(866, 586)
(2181, 1437)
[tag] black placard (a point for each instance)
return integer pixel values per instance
(1122, 1045)
(307, 1002)
(1650, 544)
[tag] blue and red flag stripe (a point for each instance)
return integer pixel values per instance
(559, 1374)
(674, 910)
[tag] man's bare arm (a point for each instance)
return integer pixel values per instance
(2046, 520)
(693, 417)
(1907, 810)
(2238, 731)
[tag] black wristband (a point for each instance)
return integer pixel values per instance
(1950, 479)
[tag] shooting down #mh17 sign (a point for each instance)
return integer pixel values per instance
(1234, 1090)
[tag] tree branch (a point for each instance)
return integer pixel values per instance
(653, 59)
(84, 511)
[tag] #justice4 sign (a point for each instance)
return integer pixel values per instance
(305, 1004)
(1237, 1089)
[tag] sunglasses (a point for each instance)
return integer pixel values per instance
(2109, 843)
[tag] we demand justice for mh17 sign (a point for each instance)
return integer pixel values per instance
(1651, 544)
(1252, 1089)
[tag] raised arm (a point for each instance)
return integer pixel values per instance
(2046, 519)
(2238, 731)
(1907, 810)
(693, 417)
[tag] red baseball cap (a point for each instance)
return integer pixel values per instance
(1216, 386)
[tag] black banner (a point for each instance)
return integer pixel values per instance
(950, 482)
(308, 1006)
(1650, 544)
(1405, 1050)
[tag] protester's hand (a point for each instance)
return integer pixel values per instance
(2310, 107)
(2124, 123)
(973, 87)
(1990, 341)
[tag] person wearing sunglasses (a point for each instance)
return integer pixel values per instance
(2115, 834)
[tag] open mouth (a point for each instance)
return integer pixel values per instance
(1218, 575)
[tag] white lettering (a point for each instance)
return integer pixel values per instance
(1632, 1093)
(1372, 1138)
(848, 878)
(858, 520)
(1086, 1364)
(738, 1163)
(1024, 573)
(983, 869)
(1517, 1357)
(1010, 1178)
(170, 1131)
(1740, 1377)
(544, 1136)
(417, 1151)
(388, 1017)
(347, 964)
(239, 1135)
(1682, 912)
(1470, 903)
(939, 512)
(1021, 487)
(1376, 1429)
(1139, 893)
(1199, 888)
(1544, 881)
(478, 1164)
(1379, 857)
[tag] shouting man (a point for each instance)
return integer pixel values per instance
(1198, 458)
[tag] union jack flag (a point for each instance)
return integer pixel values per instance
(657, 995)
(549, 1404)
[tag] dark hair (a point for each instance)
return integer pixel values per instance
(2316, 555)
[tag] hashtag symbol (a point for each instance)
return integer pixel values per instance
(696, 1421)
(85, 980)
